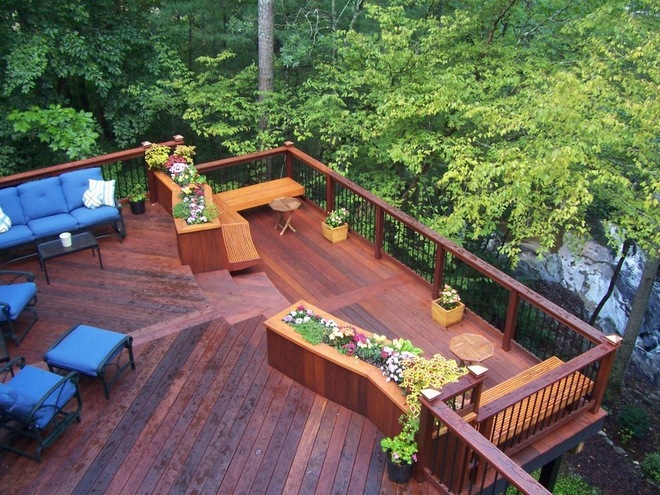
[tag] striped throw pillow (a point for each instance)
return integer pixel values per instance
(100, 192)
(5, 222)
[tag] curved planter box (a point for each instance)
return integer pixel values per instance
(345, 380)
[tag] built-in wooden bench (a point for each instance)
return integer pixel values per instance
(536, 408)
(238, 244)
(261, 194)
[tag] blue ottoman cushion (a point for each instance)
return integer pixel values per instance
(85, 349)
(17, 296)
(30, 385)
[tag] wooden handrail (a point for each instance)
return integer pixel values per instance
(94, 161)
(473, 440)
(544, 381)
(521, 292)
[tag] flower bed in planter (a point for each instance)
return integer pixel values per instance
(352, 383)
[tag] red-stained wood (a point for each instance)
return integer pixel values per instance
(203, 399)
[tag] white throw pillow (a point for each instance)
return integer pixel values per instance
(100, 192)
(5, 222)
(92, 198)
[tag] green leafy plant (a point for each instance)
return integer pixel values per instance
(193, 207)
(420, 373)
(402, 448)
(138, 193)
(651, 466)
(161, 157)
(633, 422)
(337, 218)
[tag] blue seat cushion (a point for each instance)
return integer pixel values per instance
(11, 205)
(30, 385)
(7, 396)
(74, 184)
(42, 198)
(17, 235)
(17, 296)
(53, 225)
(86, 217)
(85, 349)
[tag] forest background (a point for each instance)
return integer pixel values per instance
(492, 122)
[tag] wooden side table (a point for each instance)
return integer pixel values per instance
(471, 348)
(286, 207)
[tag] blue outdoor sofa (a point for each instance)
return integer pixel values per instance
(42, 209)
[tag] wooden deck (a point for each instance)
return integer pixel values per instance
(203, 412)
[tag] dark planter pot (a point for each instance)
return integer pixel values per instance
(399, 473)
(137, 207)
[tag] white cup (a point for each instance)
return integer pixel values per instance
(65, 238)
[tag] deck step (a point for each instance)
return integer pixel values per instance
(240, 297)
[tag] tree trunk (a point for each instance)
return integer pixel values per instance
(634, 324)
(615, 277)
(265, 54)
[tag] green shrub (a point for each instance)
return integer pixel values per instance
(572, 484)
(651, 466)
(633, 422)
(569, 484)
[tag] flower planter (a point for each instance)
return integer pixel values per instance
(447, 317)
(398, 473)
(334, 234)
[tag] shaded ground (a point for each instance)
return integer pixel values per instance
(610, 463)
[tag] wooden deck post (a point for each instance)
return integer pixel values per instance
(439, 271)
(288, 160)
(329, 193)
(511, 317)
(380, 233)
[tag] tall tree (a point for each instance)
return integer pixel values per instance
(95, 59)
(265, 55)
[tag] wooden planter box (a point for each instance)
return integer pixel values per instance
(345, 380)
(447, 317)
(334, 234)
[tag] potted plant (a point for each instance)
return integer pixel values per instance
(335, 225)
(401, 450)
(448, 308)
(136, 199)
(161, 157)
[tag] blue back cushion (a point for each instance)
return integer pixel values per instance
(74, 185)
(11, 205)
(42, 198)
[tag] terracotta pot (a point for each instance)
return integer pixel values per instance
(334, 234)
(399, 473)
(444, 316)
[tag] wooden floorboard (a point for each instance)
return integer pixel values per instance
(203, 412)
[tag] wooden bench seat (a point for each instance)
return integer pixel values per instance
(247, 197)
(237, 239)
(537, 408)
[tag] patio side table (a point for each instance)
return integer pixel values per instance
(286, 207)
(79, 242)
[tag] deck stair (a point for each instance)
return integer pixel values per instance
(243, 296)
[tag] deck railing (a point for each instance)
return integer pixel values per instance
(507, 305)
(126, 167)
(459, 460)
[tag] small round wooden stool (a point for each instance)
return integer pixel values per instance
(286, 207)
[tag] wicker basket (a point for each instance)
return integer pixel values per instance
(334, 234)
(447, 317)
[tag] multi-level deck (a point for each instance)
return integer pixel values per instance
(204, 412)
